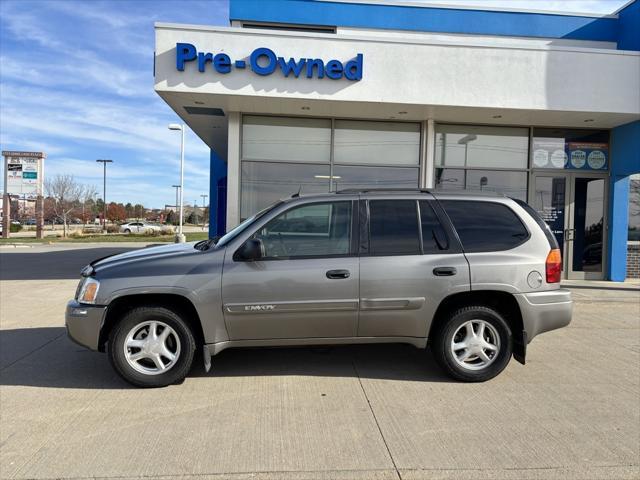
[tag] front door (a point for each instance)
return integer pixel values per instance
(573, 205)
(305, 285)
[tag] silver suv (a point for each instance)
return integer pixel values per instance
(476, 277)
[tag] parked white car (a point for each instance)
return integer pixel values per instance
(139, 227)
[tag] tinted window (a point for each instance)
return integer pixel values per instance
(553, 243)
(318, 229)
(393, 227)
(485, 226)
(434, 238)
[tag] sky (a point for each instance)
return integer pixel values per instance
(76, 81)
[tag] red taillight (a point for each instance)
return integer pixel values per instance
(553, 266)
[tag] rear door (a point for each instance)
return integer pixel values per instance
(306, 284)
(495, 241)
(410, 261)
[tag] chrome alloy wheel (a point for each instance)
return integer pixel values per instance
(152, 347)
(475, 344)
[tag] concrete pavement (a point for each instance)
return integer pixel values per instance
(372, 412)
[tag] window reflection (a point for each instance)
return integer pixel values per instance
(511, 184)
(263, 183)
(481, 146)
(345, 177)
(376, 142)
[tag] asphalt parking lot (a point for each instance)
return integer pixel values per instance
(371, 412)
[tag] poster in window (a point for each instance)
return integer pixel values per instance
(587, 155)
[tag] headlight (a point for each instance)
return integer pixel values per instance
(88, 290)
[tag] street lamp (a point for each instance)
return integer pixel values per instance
(204, 206)
(180, 238)
(104, 193)
(465, 141)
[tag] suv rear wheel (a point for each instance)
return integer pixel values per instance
(474, 344)
(151, 347)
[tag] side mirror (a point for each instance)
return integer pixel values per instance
(250, 251)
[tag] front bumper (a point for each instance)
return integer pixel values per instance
(544, 311)
(84, 323)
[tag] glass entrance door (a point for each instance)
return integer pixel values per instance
(585, 238)
(574, 208)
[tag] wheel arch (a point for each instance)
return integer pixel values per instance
(500, 301)
(179, 304)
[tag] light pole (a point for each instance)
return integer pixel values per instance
(204, 207)
(177, 187)
(465, 141)
(104, 193)
(180, 238)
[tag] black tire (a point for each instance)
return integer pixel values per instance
(441, 344)
(138, 316)
(127, 231)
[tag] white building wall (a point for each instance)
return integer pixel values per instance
(429, 72)
(233, 170)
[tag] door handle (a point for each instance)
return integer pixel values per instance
(444, 271)
(336, 274)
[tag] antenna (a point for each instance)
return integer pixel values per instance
(297, 194)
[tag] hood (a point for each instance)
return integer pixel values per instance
(147, 253)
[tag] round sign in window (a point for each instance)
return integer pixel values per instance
(559, 158)
(578, 158)
(540, 158)
(596, 159)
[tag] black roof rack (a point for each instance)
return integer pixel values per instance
(384, 190)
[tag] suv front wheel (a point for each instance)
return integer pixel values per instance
(474, 344)
(151, 347)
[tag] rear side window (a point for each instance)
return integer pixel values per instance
(551, 238)
(485, 226)
(393, 227)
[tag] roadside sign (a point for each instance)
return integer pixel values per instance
(24, 173)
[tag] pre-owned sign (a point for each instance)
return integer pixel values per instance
(264, 61)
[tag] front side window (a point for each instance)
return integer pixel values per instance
(393, 227)
(485, 226)
(314, 230)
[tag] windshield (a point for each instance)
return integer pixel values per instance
(243, 226)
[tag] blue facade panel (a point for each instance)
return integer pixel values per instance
(625, 161)
(629, 27)
(217, 196)
(442, 20)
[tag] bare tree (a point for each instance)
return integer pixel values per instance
(88, 194)
(67, 194)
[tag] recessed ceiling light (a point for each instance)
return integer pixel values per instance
(306, 108)
(198, 103)
(402, 113)
(588, 120)
(497, 116)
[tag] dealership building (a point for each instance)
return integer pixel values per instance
(321, 96)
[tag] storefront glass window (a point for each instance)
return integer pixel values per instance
(585, 150)
(263, 183)
(510, 183)
(376, 143)
(345, 177)
(481, 146)
(483, 158)
(304, 140)
(281, 155)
